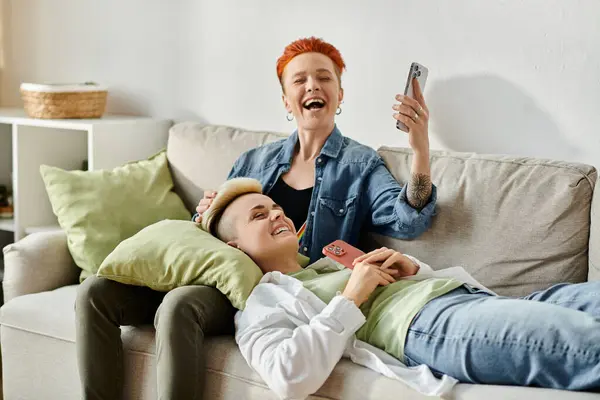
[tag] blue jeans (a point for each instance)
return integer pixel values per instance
(550, 338)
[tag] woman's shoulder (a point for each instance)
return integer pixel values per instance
(353, 151)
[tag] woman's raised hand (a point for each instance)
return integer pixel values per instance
(415, 115)
(209, 196)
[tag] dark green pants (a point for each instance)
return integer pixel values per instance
(182, 317)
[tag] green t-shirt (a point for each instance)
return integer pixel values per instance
(389, 310)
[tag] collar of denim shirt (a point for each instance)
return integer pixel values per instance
(333, 146)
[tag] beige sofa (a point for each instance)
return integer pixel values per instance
(516, 224)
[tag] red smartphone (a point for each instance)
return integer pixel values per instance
(342, 252)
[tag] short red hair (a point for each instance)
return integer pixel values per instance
(310, 45)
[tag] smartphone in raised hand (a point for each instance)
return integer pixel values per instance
(419, 72)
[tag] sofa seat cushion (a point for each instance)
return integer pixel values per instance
(51, 314)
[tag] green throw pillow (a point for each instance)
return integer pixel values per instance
(170, 254)
(99, 209)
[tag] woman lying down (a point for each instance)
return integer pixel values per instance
(393, 314)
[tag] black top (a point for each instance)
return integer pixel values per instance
(294, 202)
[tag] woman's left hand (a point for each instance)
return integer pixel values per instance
(390, 258)
(415, 115)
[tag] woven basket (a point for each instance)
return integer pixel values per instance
(86, 100)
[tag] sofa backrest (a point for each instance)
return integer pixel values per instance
(201, 156)
(516, 224)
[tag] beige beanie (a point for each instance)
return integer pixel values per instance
(226, 193)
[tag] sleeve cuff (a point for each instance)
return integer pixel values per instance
(423, 268)
(428, 210)
(345, 312)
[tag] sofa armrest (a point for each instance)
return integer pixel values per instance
(37, 263)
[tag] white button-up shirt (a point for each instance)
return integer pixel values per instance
(294, 340)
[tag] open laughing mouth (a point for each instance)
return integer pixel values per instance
(280, 230)
(314, 104)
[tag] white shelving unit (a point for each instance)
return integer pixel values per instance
(26, 143)
(7, 225)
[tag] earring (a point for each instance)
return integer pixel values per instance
(338, 111)
(289, 117)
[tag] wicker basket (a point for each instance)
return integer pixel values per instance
(86, 100)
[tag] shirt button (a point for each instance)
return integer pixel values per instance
(312, 213)
(305, 249)
(341, 210)
(318, 160)
(319, 179)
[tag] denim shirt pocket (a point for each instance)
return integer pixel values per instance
(336, 219)
(339, 208)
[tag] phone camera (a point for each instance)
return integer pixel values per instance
(418, 73)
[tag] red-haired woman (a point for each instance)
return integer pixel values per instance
(331, 186)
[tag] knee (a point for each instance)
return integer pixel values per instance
(90, 291)
(175, 310)
(186, 306)
(90, 295)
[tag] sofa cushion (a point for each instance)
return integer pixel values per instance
(516, 224)
(45, 324)
(99, 209)
(169, 254)
(201, 156)
(50, 313)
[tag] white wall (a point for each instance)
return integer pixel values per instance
(514, 76)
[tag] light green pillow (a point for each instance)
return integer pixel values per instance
(99, 209)
(170, 254)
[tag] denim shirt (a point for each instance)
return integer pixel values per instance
(353, 192)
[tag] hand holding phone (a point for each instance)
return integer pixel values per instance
(419, 73)
(365, 276)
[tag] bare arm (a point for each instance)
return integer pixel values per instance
(415, 115)
(419, 186)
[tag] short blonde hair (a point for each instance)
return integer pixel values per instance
(226, 194)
